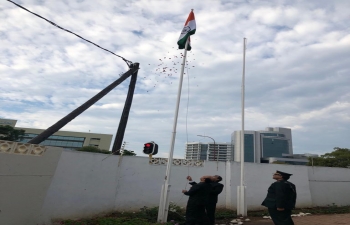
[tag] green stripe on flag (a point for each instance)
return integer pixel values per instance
(182, 41)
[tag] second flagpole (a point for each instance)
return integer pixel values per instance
(164, 196)
(241, 190)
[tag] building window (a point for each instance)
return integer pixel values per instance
(58, 141)
(249, 148)
(273, 147)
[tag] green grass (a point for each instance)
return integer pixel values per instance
(148, 216)
(107, 221)
(112, 221)
(331, 209)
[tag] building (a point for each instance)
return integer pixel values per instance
(209, 151)
(259, 146)
(293, 159)
(8, 122)
(64, 139)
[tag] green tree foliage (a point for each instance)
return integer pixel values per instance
(97, 150)
(340, 157)
(93, 149)
(128, 152)
(278, 162)
(9, 133)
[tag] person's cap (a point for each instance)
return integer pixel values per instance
(283, 174)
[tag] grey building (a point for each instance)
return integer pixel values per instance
(64, 139)
(293, 159)
(261, 145)
(209, 151)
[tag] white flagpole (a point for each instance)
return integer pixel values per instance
(164, 200)
(241, 198)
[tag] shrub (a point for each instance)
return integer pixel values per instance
(93, 149)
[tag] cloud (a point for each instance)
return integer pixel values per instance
(297, 70)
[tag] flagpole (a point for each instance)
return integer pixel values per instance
(164, 198)
(241, 196)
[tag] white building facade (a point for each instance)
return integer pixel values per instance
(208, 151)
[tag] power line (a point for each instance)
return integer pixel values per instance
(52, 23)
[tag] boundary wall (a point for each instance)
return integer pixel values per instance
(64, 184)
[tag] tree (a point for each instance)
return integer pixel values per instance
(340, 157)
(128, 152)
(278, 162)
(9, 133)
(97, 150)
(93, 149)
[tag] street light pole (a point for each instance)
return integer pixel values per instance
(214, 146)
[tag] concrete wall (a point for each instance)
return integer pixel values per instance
(258, 178)
(90, 183)
(329, 186)
(24, 181)
(84, 184)
(87, 184)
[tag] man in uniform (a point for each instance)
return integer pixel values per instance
(280, 199)
(216, 189)
(198, 197)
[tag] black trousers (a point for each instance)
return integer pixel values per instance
(210, 208)
(195, 214)
(281, 217)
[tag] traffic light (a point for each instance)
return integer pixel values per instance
(150, 148)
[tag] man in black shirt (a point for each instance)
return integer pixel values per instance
(280, 199)
(216, 189)
(198, 198)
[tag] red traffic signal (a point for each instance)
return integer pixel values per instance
(150, 148)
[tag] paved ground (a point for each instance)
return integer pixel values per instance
(334, 219)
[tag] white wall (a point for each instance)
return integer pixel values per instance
(329, 185)
(258, 178)
(24, 181)
(86, 184)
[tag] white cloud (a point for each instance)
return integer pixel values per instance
(297, 70)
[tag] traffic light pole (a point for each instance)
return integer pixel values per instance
(164, 198)
(61, 123)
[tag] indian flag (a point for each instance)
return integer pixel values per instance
(187, 31)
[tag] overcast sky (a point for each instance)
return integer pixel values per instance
(297, 68)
